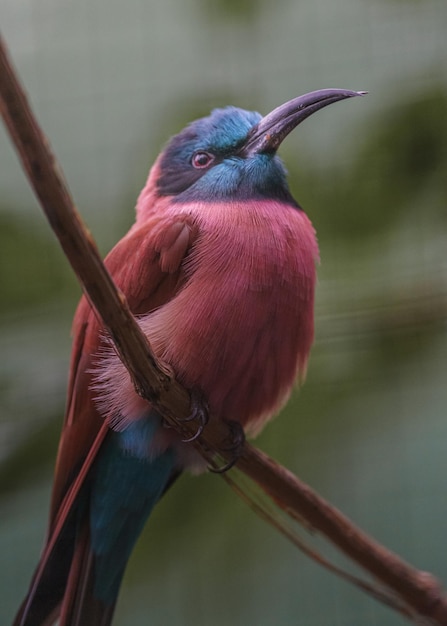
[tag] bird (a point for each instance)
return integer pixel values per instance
(219, 268)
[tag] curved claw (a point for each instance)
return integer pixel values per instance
(236, 446)
(199, 412)
(224, 468)
(196, 435)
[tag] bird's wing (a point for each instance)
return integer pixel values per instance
(147, 266)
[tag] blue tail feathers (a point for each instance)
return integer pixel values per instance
(127, 483)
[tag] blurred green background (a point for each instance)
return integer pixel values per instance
(110, 82)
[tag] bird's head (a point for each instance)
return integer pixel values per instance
(231, 154)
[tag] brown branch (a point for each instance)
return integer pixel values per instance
(150, 378)
(417, 590)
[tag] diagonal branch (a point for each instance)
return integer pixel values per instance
(419, 591)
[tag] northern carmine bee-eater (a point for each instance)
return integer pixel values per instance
(219, 267)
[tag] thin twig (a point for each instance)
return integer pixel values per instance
(417, 590)
(264, 510)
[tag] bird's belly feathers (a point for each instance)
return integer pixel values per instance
(241, 328)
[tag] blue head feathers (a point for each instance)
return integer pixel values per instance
(205, 161)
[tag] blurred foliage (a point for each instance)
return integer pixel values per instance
(231, 9)
(394, 166)
(33, 270)
(38, 450)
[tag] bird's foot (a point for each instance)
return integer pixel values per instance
(236, 441)
(199, 413)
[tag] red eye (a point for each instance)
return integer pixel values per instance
(202, 159)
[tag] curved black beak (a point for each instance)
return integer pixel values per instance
(267, 136)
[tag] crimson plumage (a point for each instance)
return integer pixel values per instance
(219, 268)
